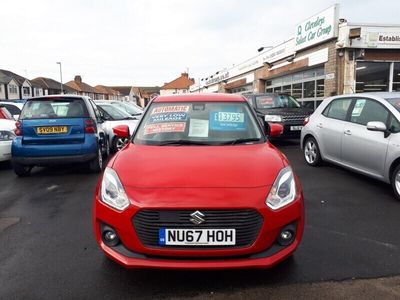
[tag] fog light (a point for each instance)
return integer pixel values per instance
(286, 237)
(110, 237)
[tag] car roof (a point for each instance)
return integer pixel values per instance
(58, 96)
(373, 94)
(200, 97)
(19, 105)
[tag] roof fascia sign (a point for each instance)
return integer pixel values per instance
(317, 29)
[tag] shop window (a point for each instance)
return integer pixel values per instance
(269, 90)
(320, 88)
(286, 89)
(297, 90)
(309, 89)
(278, 89)
(372, 77)
(396, 77)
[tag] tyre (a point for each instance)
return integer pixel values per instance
(312, 155)
(106, 148)
(119, 143)
(21, 170)
(395, 180)
(96, 165)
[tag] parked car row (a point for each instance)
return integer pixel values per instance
(61, 129)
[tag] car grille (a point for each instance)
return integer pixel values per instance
(293, 117)
(246, 222)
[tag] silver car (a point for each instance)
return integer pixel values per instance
(113, 117)
(359, 132)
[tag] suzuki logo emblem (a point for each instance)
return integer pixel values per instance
(197, 218)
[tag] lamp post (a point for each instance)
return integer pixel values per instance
(61, 84)
(263, 48)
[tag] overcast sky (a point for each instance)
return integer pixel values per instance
(139, 42)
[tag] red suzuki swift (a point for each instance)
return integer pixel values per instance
(199, 187)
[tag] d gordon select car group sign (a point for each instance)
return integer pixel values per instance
(318, 28)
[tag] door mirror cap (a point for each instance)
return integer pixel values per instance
(376, 126)
(121, 131)
(274, 129)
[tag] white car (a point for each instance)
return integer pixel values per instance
(6, 137)
(13, 107)
(113, 116)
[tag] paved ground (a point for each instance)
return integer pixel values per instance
(47, 250)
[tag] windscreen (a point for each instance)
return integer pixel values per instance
(54, 109)
(114, 112)
(131, 109)
(276, 101)
(208, 123)
(395, 102)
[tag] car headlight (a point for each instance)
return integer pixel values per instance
(6, 135)
(112, 191)
(273, 118)
(283, 190)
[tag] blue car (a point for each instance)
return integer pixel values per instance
(59, 129)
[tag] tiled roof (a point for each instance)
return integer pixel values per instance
(182, 82)
(17, 77)
(80, 86)
(124, 90)
(102, 89)
(51, 84)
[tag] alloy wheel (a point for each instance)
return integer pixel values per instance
(310, 152)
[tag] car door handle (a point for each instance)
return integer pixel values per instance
(319, 125)
(347, 132)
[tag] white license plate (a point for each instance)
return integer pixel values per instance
(196, 237)
(296, 128)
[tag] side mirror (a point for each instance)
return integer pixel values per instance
(274, 129)
(376, 126)
(122, 131)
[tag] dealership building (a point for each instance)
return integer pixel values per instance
(326, 56)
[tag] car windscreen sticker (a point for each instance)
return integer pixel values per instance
(161, 236)
(227, 121)
(265, 102)
(164, 127)
(168, 117)
(198, 128)
(170, 109)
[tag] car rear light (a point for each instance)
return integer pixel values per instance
(18, 129)
(90, 126)
(306, 120)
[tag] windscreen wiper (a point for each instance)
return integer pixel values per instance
(183, 142)
(241, 141)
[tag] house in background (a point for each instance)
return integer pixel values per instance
(179, 85)
(125, 92)
(109, 93)
(51, 87)
(15, 86)
(145, 94)
(85, 89)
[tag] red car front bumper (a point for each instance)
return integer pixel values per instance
(264, 252)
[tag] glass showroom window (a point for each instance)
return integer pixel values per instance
(396, 77)
(309, 89)
(372, 77)
(297, 90)
(287, 89)
(320, 88)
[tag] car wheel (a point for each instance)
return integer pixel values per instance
(96, 165)
(395, 180)
(106, 148)
(21, 170)
(312, 156)
(119, 143)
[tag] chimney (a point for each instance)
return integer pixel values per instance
(185, 74)
(78, 79)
